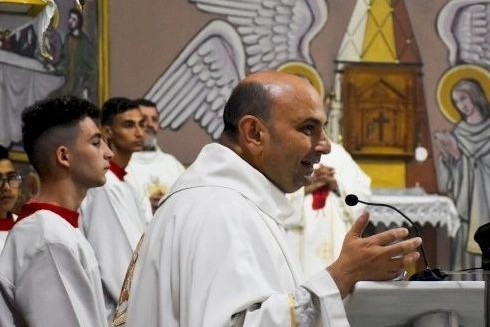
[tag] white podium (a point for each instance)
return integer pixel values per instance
(390, 304)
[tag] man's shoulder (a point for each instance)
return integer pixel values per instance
(151, 157)
(41, 230)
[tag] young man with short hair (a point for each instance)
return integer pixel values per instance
(112, 218)
(49, 275)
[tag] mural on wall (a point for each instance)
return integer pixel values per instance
(251, 36)
(463, 97)
(65, 63)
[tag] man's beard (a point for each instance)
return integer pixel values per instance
(150, 144)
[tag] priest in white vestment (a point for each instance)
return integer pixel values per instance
(215, 253)
(151, 172)
(321, 219)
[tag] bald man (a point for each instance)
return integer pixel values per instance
(215, 253)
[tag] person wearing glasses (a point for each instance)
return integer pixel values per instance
(10, 182)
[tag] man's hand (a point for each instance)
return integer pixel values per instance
(379, 257)
(155, 199)
(323, 177)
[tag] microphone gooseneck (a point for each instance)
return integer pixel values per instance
(427, 273)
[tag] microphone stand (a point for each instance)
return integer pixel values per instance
(415, 227)
(482, 237)
(486, 279)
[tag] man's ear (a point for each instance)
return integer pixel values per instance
(63, 156)
(252, 132)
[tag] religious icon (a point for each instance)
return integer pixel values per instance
(464, 161)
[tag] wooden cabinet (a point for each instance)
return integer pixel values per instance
(380, 109)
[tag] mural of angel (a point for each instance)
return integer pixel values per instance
(464, 26)
(464, 164)
(253, 35)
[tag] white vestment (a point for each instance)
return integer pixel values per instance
(49, 275)
(113, 222)
(316, 236)
(215, 254)
(150, 172)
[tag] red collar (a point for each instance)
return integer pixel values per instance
(7, 223)
(117, 170)
(31, 207)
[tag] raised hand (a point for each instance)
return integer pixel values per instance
(379, 257)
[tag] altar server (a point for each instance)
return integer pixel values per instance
(151, 171)
(49, 275)
(111, 216)
(10, 182)
(215, 252)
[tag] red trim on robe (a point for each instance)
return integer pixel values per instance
(117, 170)
(31, 207)
(319, 198)
(7, 223)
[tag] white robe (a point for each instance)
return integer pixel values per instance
(113, 222)
(49, 275)
(151, 171)
(316, 236)
(215, 253)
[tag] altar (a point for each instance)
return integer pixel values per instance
(392, 304)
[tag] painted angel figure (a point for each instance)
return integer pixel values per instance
(251, 36)
(464, 164)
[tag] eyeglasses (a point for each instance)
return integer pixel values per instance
(13, 180)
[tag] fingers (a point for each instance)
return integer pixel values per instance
(359, 225)
(390, 236)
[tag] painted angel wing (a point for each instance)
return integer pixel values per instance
(464, 26)
(200, 80)
(272, 31)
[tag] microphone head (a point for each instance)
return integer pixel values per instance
(351, 200)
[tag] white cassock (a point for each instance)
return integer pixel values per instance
(113, 222)
(49, 275)
(150, 172)
(215, 254)
(6, 225)
(316, 236)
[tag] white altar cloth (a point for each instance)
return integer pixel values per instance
(422, 209)
(389, 304)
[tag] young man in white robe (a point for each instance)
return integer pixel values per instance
(151, 171)
(111, 216)
(321, 220)
(215, 252)
(10, 182)
(49, 275)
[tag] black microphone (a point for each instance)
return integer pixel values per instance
(427, 274)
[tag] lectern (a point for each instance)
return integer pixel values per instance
(389, 304)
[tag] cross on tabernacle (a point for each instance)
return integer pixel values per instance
(380, 121)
